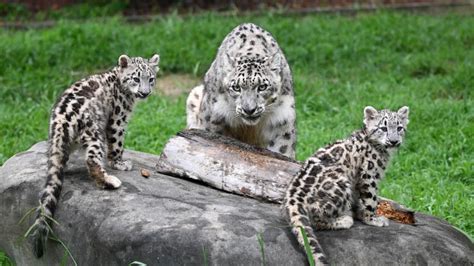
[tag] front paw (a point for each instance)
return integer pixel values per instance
(121, 165)
(111, 182)
(379, 221)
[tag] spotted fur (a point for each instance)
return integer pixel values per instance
(92, 113)
(247, 92)
(339, 181)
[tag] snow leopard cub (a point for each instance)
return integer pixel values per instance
(339, 181)
(93, 113)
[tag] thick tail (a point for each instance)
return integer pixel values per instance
(40, 236)
(193, 104)
(58, 156)
(298, 217)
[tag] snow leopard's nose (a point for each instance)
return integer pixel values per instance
(143, 94)
(393, 143)
(249, 111)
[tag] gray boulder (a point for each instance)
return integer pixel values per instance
(162, 220)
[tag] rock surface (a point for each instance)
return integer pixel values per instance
(163, 220)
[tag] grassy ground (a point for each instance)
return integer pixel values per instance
(4, 260)
(340, 65)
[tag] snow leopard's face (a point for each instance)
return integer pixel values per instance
(253, 84)
(138, 75)
(385, 127)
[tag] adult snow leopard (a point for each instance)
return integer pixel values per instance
(247, 92)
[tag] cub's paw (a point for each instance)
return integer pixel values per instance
(111, 182)
(378, 221)
(121, 165)
(344, 222)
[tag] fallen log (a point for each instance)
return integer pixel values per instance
(233, 166)
(227, 164)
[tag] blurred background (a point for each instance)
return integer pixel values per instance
(14, 10)
(344, 55)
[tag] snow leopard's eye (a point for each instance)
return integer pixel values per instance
(152, 80)
(137, 80)
(262, 87)
(384, 129)
(399, 129)
(235, 88)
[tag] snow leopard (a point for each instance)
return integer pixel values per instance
(92, 113)
(247, 92)
(340, 181)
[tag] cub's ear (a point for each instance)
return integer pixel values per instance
(369, 114)
(154, 60)
(403, 113)
(124, 61)
(274, 62)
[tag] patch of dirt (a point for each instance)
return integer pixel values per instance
(174, 85)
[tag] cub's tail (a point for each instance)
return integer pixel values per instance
(58, 156)
(298, 218)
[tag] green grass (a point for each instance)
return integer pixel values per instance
(261, 244)
(340, 65)
(307, 247)
(4, 260)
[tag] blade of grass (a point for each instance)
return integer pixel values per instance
(307, 248)
(54, 238)
(43, 213)
(27, 214)
(29, 230)
(51, 219)
(204, 253)
(64, 259)
(262, 248)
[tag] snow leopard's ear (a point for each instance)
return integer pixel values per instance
(403, 114)
(274, 62)
(154, 61)
(124, 61)
(369, 114)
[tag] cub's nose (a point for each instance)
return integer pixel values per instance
(143, 94)
(393, 142)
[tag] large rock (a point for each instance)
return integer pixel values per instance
(164, 220)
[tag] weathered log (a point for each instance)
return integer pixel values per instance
(227, 164)
(230, 165)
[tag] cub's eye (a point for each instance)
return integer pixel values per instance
(137, 80)
(235, 88)
(384, 129)
(152, 80)
(399, 128)
(262, 87)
